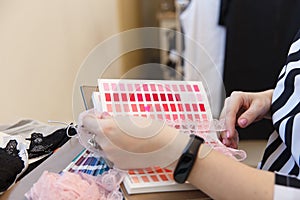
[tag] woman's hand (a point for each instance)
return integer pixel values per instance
(133, 142)
(241, 109)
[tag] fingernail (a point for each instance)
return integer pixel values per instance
(224, 141)
(105, 114)
(243, 122)
(227, 134)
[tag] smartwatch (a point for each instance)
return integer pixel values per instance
(187, 159)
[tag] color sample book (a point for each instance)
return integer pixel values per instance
(176, 102)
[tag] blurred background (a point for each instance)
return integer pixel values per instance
(44, 43)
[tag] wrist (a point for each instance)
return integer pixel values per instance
(269, 94)
(187, 159)
(204, 150)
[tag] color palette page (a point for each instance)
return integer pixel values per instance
(171, 101)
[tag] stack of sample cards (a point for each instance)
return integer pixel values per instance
(170, 101)
(87, 162)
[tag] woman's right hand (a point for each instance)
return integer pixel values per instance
(133, 142)
(241, 109)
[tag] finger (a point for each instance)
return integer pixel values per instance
(233, 105)
(229, 141)
(105, 115)
(222, 135)
(249, 116)
(233, 143)
(91, 123)
(234, 140)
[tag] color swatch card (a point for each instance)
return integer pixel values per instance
(175, 101)
(154, 179)
(97, 101)
(87, 162)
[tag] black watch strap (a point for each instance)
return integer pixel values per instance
(187, 159)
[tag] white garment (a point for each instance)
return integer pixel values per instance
(25, 127)
(204, 49)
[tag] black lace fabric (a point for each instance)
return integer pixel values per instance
(11, 165)
(40, 145)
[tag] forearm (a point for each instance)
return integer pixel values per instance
(223, 178)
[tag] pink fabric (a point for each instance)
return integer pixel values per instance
(71, 186)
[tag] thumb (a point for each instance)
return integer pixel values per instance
(91, 123)
(247, 118)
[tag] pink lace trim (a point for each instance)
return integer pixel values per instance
(77, 186)
(209, 130)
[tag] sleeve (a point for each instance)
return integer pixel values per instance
(286, 101)
(286, 187)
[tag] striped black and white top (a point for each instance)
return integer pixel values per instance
(282, 154)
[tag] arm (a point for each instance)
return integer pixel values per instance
(223, 178)
(217, 175)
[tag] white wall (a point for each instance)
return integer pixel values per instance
(42, 45)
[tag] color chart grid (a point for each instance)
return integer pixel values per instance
(156, 99)
(152, 179)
